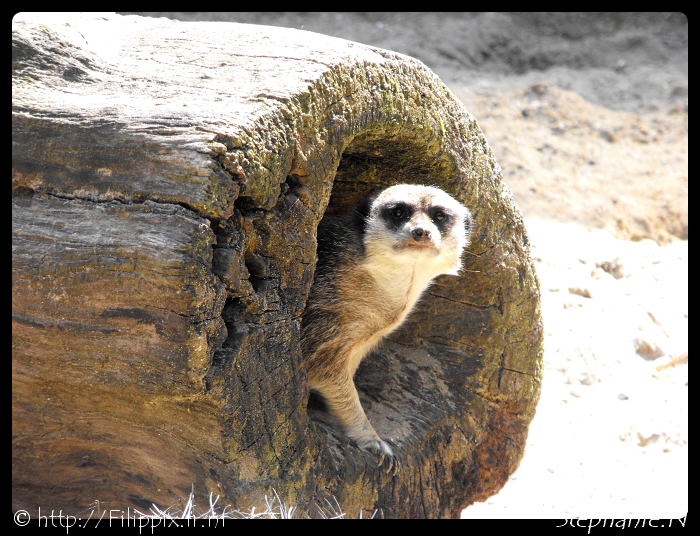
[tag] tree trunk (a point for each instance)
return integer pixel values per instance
(168, 180)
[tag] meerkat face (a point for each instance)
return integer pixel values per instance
(418, 221)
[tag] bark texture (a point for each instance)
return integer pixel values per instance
(168, 180)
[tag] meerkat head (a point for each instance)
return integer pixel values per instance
(417, 222)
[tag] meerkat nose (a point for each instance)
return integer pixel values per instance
(420, 234)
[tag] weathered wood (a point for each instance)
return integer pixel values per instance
(168, 180)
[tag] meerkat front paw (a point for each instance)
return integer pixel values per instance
(383, 450)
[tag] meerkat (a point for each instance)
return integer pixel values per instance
(372, 267)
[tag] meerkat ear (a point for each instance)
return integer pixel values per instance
(361, 212)
(468, 225)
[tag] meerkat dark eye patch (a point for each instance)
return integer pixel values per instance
(396, 214)
(439, 216)
(442, 218)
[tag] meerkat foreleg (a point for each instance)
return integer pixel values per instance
(344, 404)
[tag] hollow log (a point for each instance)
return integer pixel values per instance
(168, 179)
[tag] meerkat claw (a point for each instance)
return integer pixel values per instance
(383, 450)
(393, 465)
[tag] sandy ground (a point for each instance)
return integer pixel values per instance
(587, 114)
(610, 438)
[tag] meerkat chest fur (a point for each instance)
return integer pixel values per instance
(399, 279)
